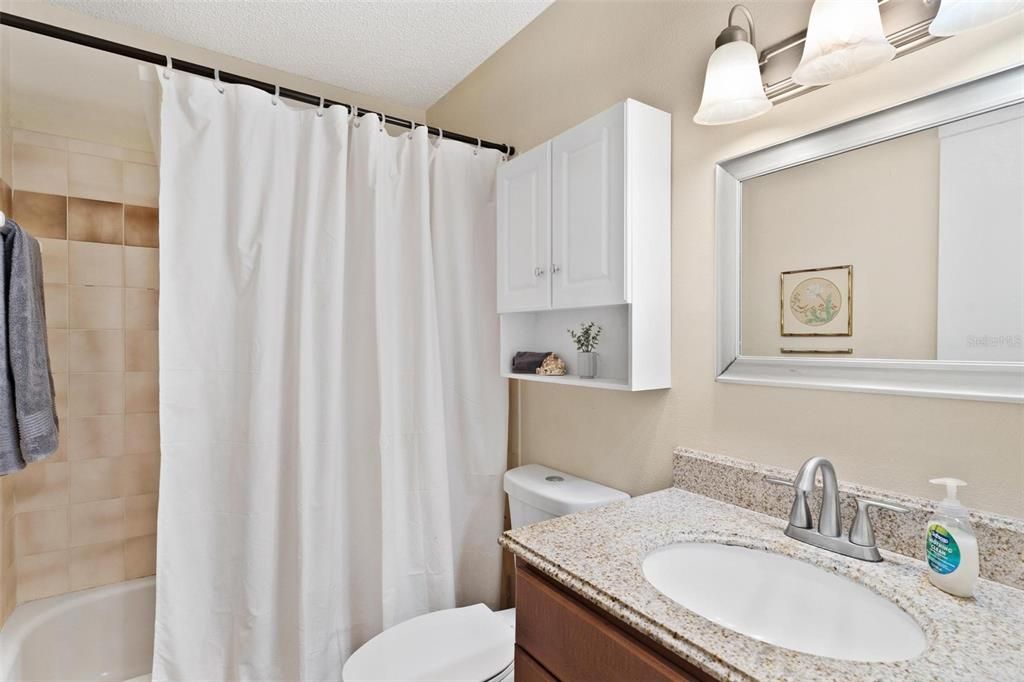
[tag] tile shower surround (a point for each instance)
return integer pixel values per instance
(87, 515)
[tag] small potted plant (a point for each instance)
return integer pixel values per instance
(586, 344)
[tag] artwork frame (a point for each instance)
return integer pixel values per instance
(816, 301)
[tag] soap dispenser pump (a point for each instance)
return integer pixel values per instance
(951, 549)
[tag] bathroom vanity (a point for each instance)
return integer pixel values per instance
(591, 604)
(562, 637)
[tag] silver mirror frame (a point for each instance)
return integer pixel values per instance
(968, 380)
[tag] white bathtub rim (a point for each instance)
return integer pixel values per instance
(28, 616)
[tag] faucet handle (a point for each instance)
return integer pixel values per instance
(800, 512)
(861, 532)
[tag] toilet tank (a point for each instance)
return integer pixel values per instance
(536, 493)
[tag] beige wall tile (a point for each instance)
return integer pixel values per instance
(57, 345)
(39, 531)
(31, 137)
(141, 185)
(141, 309)
(140, 557)
(62, 441)
(140, 392)
(138, 156)
(42, 215)
(60, 394)
(141, 267)
(90, 220)
(42, 485)
(43, 575)
(95, 177)
(98, 564)
(97, 350)
(140, 350)
(141, 434)
(96, 307)
(40, 169)
(8, 545)
(140, 515)
(55, 260)
(92, 394)
(6, 198)
(95, 149)
(96, 436)
(93, 522)
(56, 299)
(140, 474)
(95, 479)
(96, 264)
(141, 226)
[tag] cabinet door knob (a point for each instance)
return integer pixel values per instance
(555, 269)
(538, 271)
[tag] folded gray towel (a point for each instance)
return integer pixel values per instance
(10, 450)
(27, 350)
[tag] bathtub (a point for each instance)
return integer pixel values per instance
(105, 633)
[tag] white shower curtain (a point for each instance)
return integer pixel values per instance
(333, 427)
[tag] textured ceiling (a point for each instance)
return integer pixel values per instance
(410, 52)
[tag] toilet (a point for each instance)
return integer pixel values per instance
(473, 643)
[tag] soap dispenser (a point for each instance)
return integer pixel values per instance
(951, 549)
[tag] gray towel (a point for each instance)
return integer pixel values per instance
(27, 349)
(10, 450)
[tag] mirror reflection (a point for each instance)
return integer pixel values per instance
(912, 248)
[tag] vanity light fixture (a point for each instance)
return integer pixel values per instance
(733, 91)
(957, 16)
(844, 38)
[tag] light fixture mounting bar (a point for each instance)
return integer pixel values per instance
(905, 40)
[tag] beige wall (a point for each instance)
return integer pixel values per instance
(86, 516)
(8, 586)
(577, 59)
(85, 184)
(67, 90)
(816, 215)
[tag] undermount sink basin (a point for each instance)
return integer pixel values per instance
(784, 601)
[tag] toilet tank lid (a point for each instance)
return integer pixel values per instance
(557, 492)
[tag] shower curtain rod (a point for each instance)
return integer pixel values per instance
(67, 35)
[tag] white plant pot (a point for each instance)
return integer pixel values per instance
(586, 365)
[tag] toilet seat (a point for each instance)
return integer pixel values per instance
(470, 644)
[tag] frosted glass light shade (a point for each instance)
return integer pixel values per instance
(732, 86)
(957, 16)
(844, 38)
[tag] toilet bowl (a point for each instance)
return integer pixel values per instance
(474, 643)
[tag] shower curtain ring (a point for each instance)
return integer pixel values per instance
(353, 112)
(167, 71)
(476, 152)
(320, 109)
(440, 136)
(277, 95)
(382, 121)
(216, 81)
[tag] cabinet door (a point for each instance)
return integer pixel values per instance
(588, 249)
(524, 231)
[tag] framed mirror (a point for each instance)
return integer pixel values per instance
(882, 255)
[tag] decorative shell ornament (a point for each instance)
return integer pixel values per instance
(553, 366)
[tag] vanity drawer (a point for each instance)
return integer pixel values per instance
(573, 641)
(529, 670)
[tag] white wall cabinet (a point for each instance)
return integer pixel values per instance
(588, 247)
(524, 231)
(584, 223)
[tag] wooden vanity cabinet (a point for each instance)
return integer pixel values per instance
(560, 637)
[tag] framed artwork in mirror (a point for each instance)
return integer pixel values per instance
(816, 302)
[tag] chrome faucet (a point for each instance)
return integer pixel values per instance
(829, 535)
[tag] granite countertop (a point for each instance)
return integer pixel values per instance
(598, 555)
